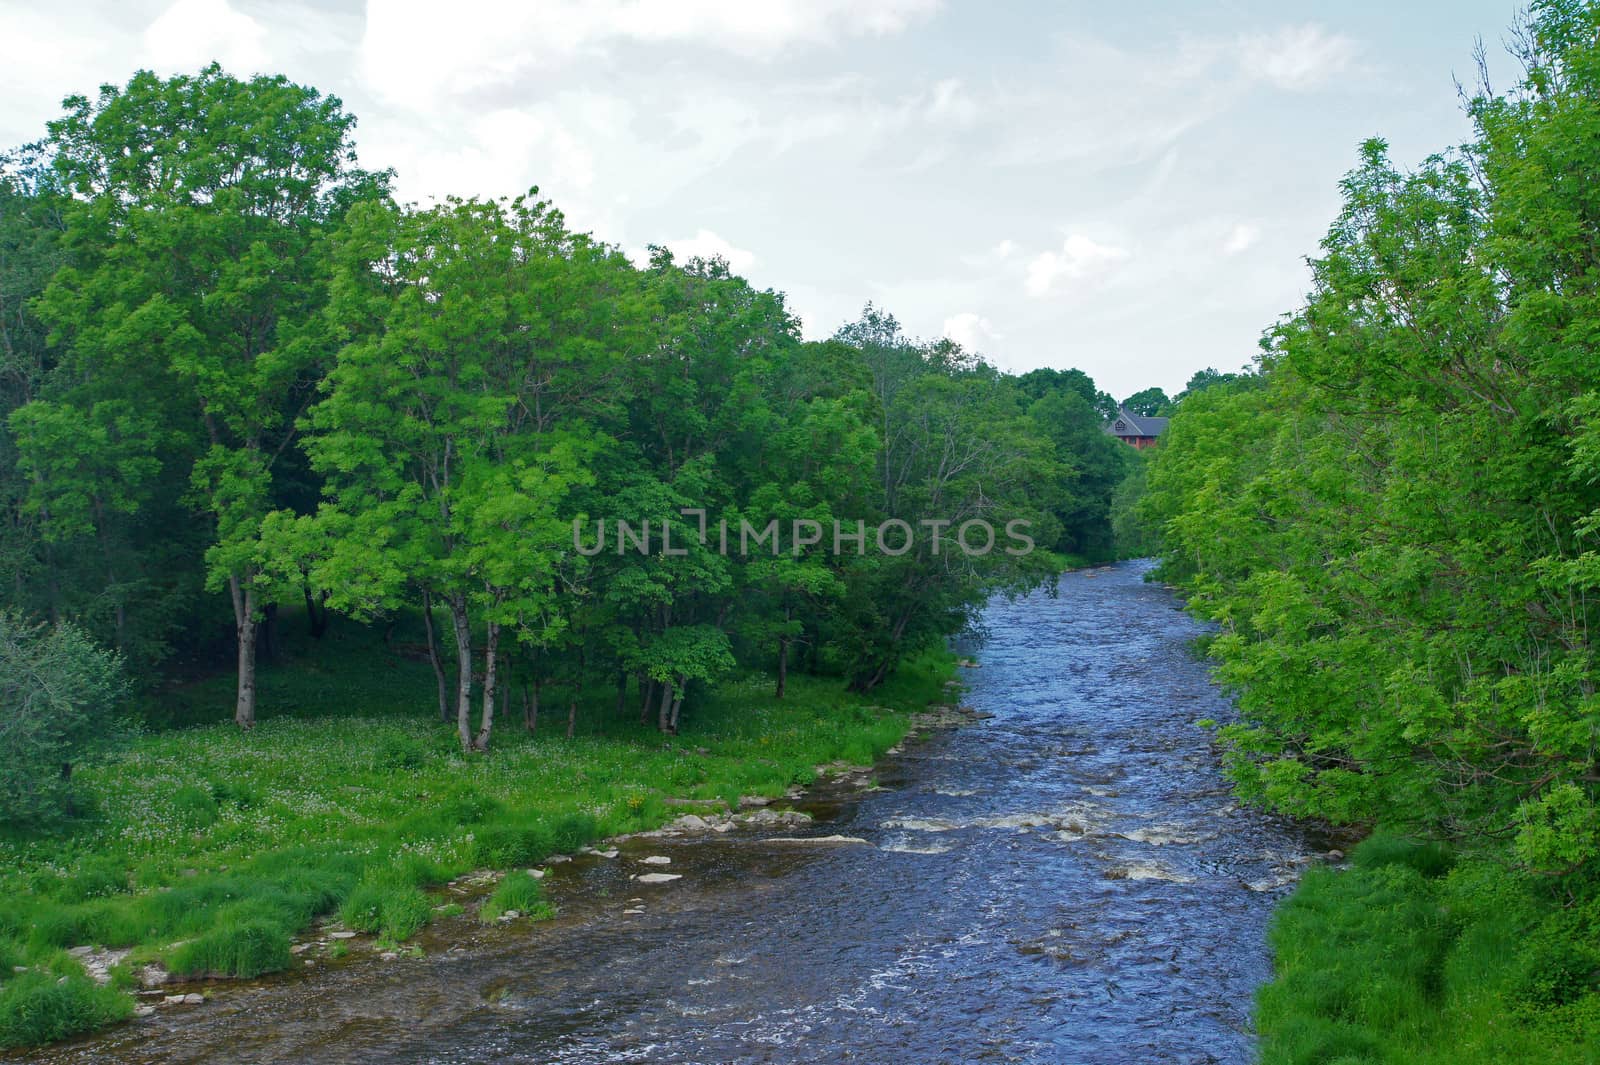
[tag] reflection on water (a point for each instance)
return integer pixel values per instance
(1067, 881)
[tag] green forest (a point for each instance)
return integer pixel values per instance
(306, 494)
(1393, 523)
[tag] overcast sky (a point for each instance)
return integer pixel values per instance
(1130, 189)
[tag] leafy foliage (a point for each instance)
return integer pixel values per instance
(1393, 524)
(58, 696)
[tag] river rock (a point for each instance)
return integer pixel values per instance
(657, 859)
(769, 816)
(690, 823)
(143, 1011)
(632, 912)
(341, 935)
(822, 840)
(657, 878)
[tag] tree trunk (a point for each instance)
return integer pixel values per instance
(677, 704)
(434, 658)
(244, 621)
(664, 712)
(491, 659)
(316, 611)
(458, 618)
(530, 706)
(783, 665)
(267, 634)
(646, 690)
(622, 691)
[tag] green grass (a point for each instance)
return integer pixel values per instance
(1411, 957)
(517, 892)
(212, 848)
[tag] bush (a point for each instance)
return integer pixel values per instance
(244, 949)
(37, 1008)
(58, 692)
(518, 892)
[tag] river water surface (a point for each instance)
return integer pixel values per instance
(1066, 881)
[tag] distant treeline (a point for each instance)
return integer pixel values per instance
(235, 369)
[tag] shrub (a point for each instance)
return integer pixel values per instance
(58, 693)
(37, 1008)
(243, 949)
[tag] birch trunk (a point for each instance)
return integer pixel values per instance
(458, 618)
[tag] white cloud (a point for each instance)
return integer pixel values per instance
(708, 245)
(192, 33)
(411, 53)
(949, 102)
(1241, 237)
(1079, 259)
(971, 330)
(1296, 57)
(992, 257)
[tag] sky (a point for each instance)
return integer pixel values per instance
(1129, 189)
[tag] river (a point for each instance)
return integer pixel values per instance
(1066, 881)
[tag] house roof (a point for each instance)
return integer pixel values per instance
(1125, 424)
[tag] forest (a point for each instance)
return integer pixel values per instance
(1393, 523)
(292, 475)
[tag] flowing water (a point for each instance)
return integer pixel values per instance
(1067, 881)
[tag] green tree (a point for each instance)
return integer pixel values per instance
(1149, 402)
(201, 211)
(58, 696)
(454, 425)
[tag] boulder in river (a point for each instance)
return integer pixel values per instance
(657, 878)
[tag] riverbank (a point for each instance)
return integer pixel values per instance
(1411, 955)
(212, 849)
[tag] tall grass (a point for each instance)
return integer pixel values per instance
(1412, 957)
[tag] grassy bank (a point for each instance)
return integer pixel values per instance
(208, 848)
(1412, 957)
